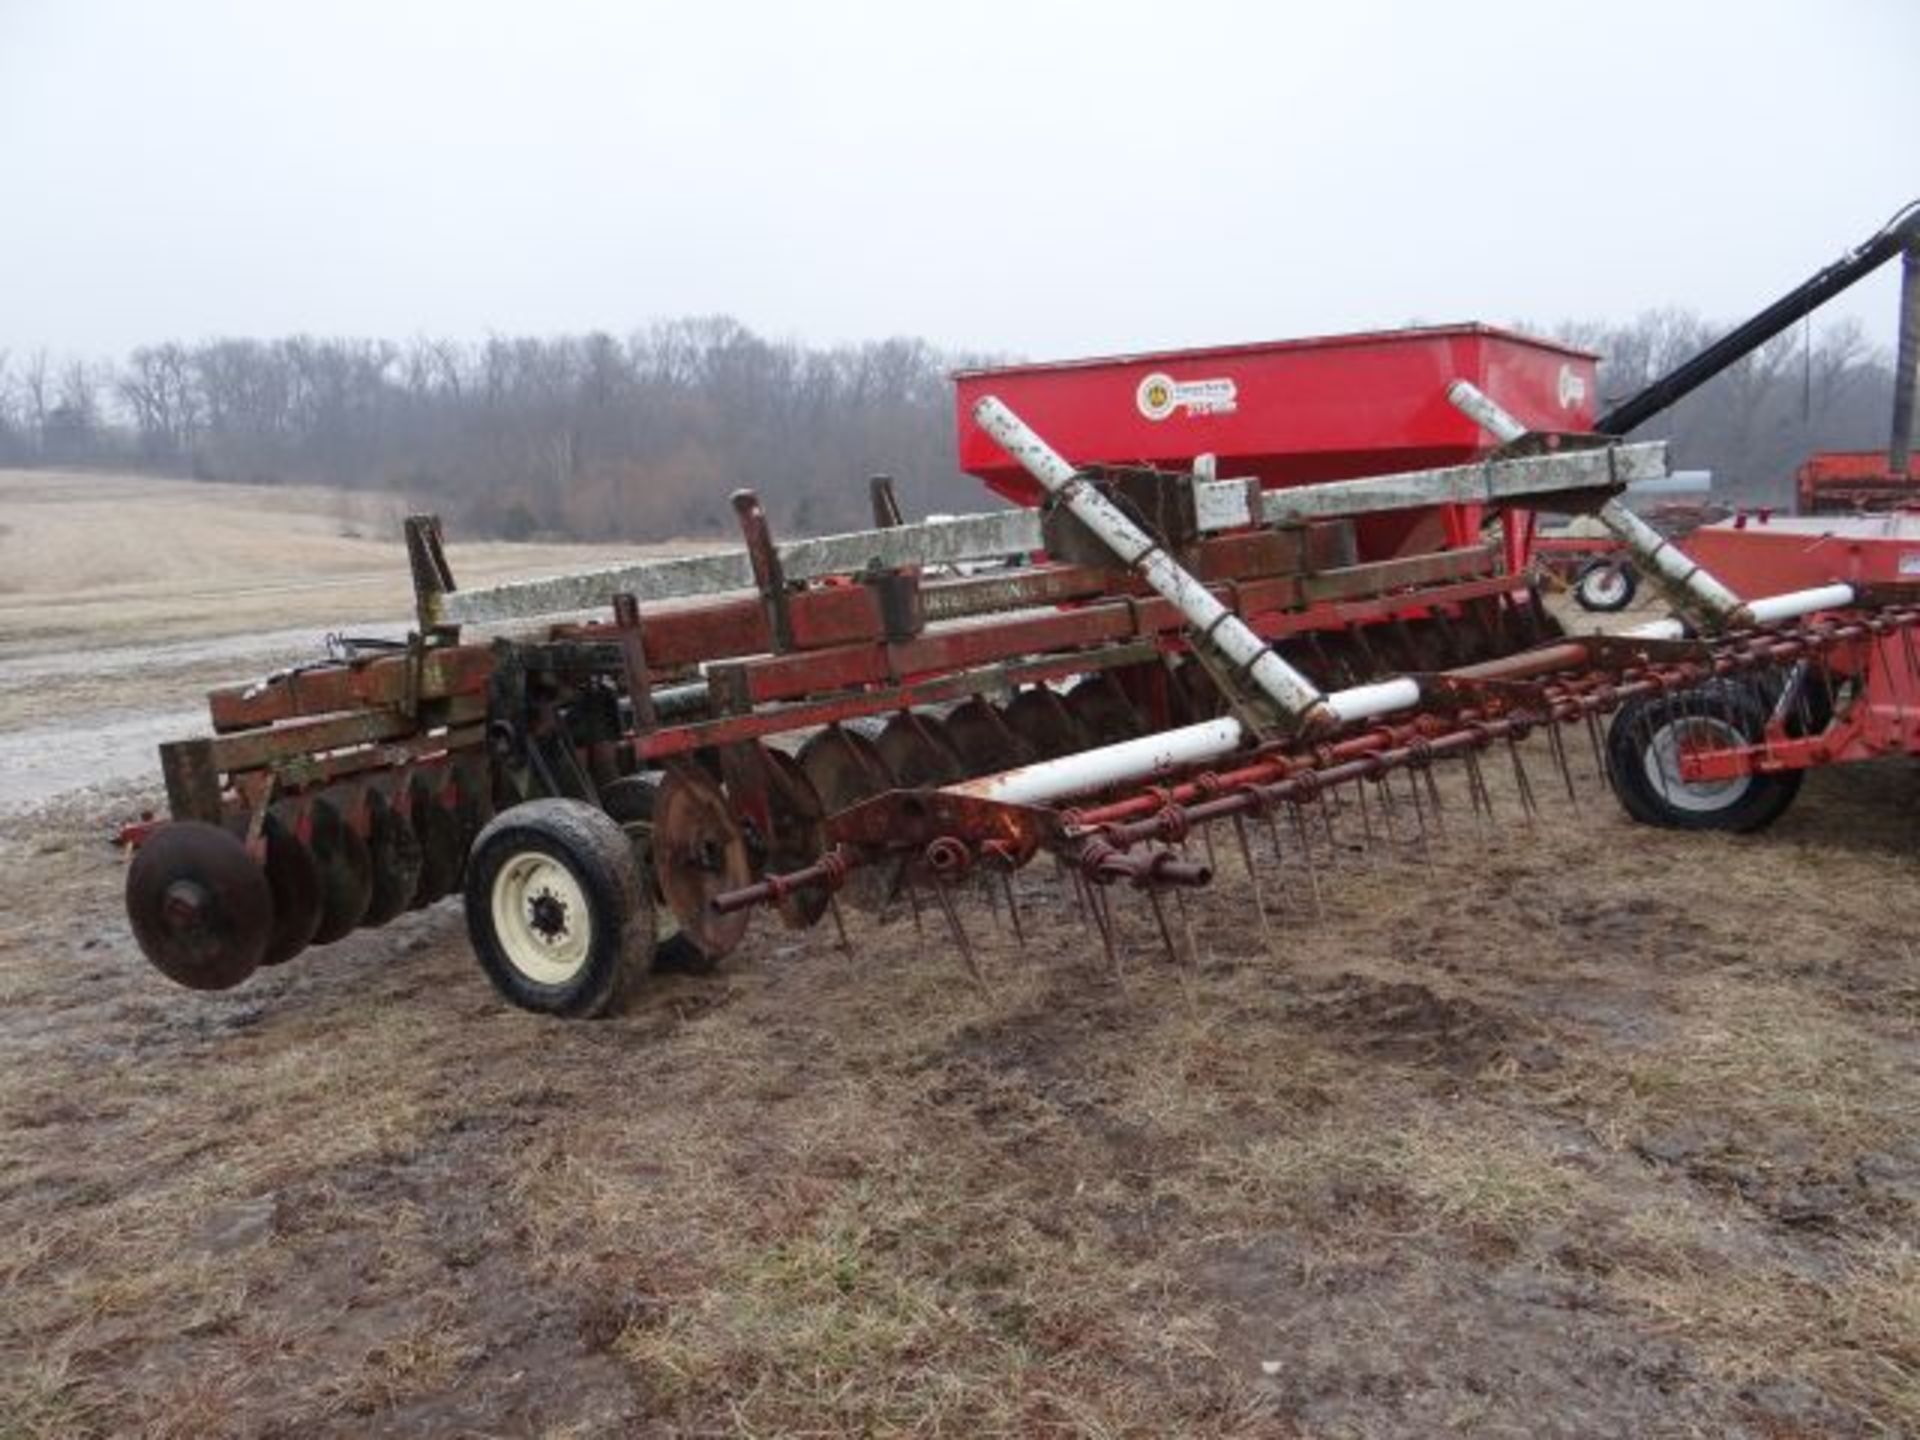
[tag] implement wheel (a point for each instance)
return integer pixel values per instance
(1648, 737)
(1604, 586)
(556, 908)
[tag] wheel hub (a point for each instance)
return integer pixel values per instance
(547, 914)
(539, 915)
(1672, 742)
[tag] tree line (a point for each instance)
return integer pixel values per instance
(645, 437)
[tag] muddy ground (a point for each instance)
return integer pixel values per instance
(1572, 1129)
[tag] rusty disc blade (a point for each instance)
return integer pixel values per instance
(294, 879)
(200, 908)
(346, 872)
(915, 752)
(397, 861)
(1104, 713)
(844, 767)
(983, 741)
(1038, 716)
(799, 836)
(434, 812)
(698, 853)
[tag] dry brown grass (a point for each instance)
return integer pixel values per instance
(837, 1196)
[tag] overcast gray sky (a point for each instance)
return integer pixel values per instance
(1034, 178)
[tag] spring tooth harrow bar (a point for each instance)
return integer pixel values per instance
(1144, 655)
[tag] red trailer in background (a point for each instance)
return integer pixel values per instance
(1845, 482)
(1295, 412)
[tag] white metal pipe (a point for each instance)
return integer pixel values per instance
(1215, 627)
(1794, 604)
(1364, 702)
(1767, 610)
(1473, 402)
(1127, 761)
(1669, 565)
(1668, 629)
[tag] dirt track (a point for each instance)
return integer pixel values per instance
(1584, 1130)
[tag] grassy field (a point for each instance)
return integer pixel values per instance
(1562, 1129)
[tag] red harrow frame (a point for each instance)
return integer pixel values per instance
(795, 725)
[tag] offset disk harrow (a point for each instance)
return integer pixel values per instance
(1149, 663)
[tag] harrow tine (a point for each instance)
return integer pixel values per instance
(1253, 879)
(1184, 969)
(1598, 746)
(1528, 807)
(1385, 795)
(1326, 821)
(1013, 910)
(1556, 743)
(913, 902)
(1063, 873)
(1366, 824)
(1477, 794)
(943, 893)
(1186, 924)
(1160, 919)
(1420, 820)
(1279, 853)
(839, 924)
(1306, 853)
(1433, 794)
(1103, 917)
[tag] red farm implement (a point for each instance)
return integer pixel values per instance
(1273, 583)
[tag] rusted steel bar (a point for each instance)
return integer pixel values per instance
(1283, 773)
(326, 689)
(250, 749)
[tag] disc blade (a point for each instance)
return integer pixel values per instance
(699, 852)
(982, 740)
(433, 811)
(346, 872)
(844, 767)
(199, 907)
(799, 836)
(1037, 716)
(396, 859)
(915, 753)
(1104, 714)
(294, 879)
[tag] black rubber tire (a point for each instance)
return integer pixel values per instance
(629, 800)
(594, 851)
(1590, 575)
(1741, 808)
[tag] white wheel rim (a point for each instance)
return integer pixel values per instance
(541, 919)
(1661, 760)
(1604, 587)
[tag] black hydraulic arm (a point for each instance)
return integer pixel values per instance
(1899, 233)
